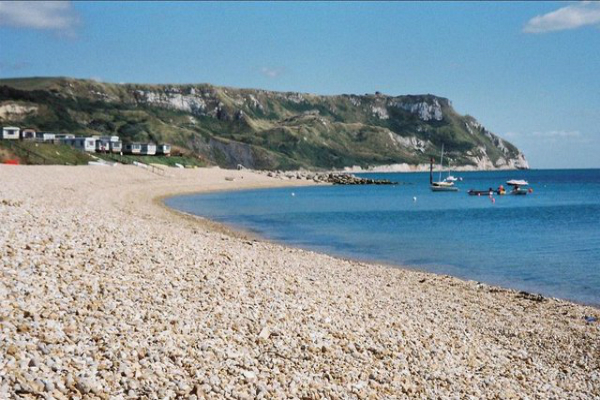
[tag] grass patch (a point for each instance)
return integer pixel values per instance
(27, 152)
(170, 161)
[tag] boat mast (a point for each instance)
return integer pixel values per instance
(442, 162)
(431, 170)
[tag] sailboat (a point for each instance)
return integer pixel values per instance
(440, 185)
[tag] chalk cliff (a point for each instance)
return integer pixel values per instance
(259, 128)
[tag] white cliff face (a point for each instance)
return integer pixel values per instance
(409, 142)
(426, 111)
(174, 100)
(296, 98)
(355, 101)
(254, 103)
(104, 96)
(518, 163)
(473, 127)
(481, 159)
(380, 112)
(510, 160)
(16, 112)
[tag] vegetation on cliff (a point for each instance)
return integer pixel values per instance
(258, 128)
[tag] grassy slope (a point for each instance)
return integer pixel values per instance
(287, 130)
(27, 152)
(162, 160)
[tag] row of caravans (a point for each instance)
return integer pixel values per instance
(112, 144)
(149, 149)
(91, 144)
(14, 133)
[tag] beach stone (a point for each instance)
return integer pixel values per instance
(118, 296)
(264, 333)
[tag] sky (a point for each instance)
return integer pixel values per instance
(528, 71)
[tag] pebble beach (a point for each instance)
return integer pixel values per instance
(106, 293)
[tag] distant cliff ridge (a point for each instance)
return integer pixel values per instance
(261, 129)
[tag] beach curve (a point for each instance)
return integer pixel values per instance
(107, 292)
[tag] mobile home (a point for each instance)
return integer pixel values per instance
(45, 136)
(28, 134)
(148, 149)
(61, 137)
(110, 138)
(102, 145)
(116, 146)
(82, 143)
(10, 132)
(164, 149)
(110, 143)
(132, 148)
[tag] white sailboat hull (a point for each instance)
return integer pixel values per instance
(444, 188)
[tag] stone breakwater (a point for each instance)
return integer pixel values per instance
(105, 293)
(327, 177)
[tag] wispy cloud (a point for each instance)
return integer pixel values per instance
(557, 134)
(562, 136)
(272, 72)
(559, 137)
(58, 16)
(14, 66)
(569, 17)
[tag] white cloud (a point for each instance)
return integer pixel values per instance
(47, 15)
(271, 72)
(569, 17)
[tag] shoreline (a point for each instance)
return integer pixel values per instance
(157, 302)
(410, 168)
(245, 234)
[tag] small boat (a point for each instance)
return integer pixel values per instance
(474, 192)
(518, 191)
(441, 185)
(517, 182)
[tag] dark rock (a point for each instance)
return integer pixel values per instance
(349, 179)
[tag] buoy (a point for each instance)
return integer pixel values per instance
(530, 190)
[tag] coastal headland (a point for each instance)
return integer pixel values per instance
(106, 293)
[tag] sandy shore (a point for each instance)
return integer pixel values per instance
(106, 293)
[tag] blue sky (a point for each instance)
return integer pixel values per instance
(528, 71)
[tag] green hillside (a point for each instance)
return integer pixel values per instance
(258, 128)
(26, 152)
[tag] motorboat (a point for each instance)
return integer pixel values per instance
(519, 191)
(517, 182)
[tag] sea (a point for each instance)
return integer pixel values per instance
(546, 242)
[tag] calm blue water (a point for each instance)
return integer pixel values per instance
(546, 242)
